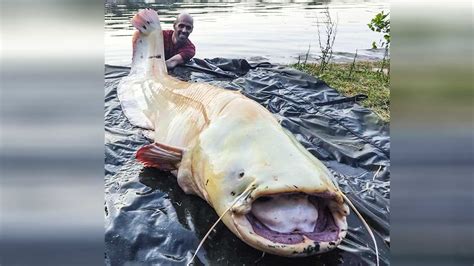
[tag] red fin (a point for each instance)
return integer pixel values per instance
(160, 156)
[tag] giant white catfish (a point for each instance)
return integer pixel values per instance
(233, 153)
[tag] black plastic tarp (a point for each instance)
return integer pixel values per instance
(149, 219)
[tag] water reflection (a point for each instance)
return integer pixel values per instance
(275, 31)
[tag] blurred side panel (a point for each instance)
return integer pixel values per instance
(432, 197)
(51, 133)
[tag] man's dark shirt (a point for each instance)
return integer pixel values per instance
(187, 50)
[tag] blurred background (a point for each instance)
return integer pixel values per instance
(51, 138)
(432, 133)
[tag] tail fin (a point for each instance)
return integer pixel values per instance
(146, 21)
(148, 62)
(148, 48)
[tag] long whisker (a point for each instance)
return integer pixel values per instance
(244, 194)
(365, 225)
(376, 173)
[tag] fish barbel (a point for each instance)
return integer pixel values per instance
(232, 152)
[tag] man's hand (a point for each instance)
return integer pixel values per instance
(174, 61)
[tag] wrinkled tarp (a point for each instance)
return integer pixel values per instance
(150, 220)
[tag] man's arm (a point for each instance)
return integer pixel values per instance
(174, 61)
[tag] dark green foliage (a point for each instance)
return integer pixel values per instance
(381, 23)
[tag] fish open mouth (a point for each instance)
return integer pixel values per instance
(289, 218)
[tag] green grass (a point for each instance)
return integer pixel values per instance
(362, 80)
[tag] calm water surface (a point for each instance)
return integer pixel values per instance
(275, 31)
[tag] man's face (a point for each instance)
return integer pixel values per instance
(183, 27)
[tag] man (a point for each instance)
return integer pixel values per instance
(178, 48)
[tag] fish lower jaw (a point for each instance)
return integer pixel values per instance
(306, 247)
(303, 226)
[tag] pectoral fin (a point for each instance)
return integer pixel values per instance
(160, 156)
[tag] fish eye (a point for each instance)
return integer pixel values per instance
(241, 174)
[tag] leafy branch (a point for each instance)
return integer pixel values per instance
(381, 23)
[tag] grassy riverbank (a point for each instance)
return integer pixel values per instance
(358, 78)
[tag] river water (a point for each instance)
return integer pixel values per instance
(280, 32)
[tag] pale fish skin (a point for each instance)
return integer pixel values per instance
(221, 144)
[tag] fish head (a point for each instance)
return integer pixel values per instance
(272, 193)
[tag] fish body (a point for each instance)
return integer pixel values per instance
(232, 152)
